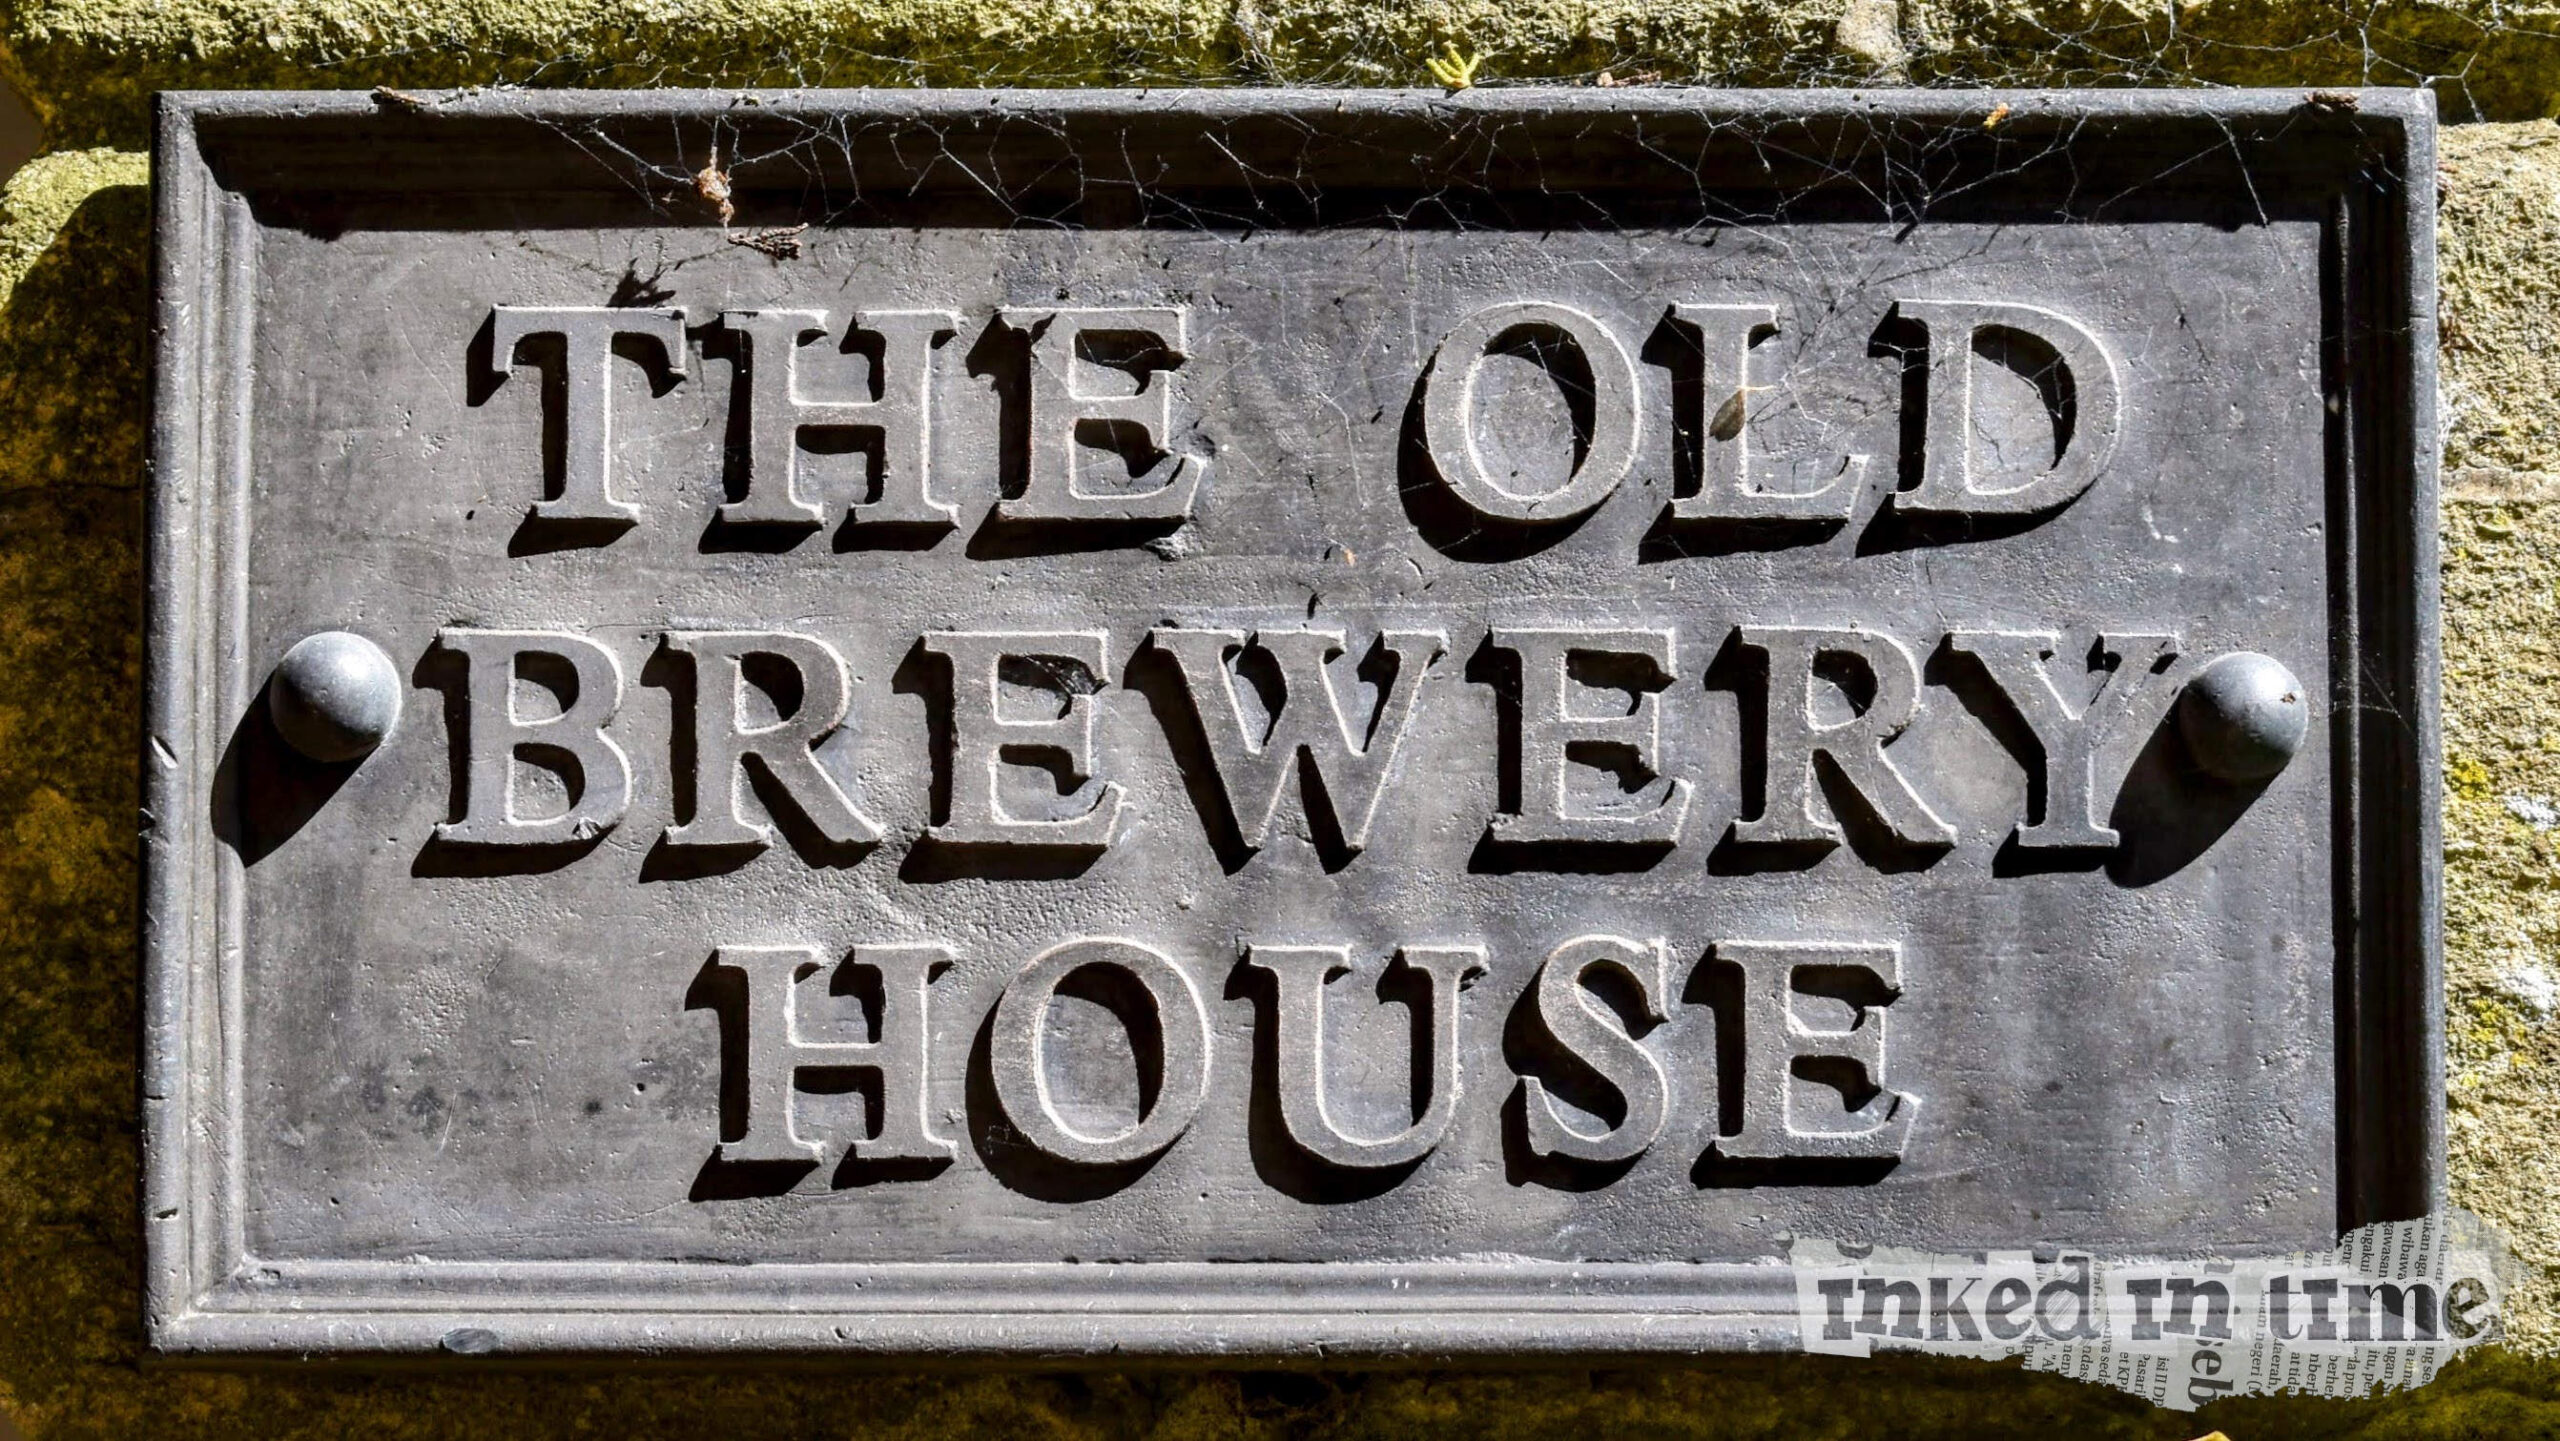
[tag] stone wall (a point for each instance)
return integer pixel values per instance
(74, 339)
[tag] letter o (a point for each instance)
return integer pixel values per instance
(1020, 1030)
(1449, 413)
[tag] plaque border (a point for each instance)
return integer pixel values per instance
(206, 1298)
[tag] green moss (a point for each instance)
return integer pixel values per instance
(2500, 244)
(41, 197)
(89, 65)
(72, 333)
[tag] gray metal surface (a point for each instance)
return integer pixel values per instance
(1273, 723)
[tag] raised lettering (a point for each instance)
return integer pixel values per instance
(726, 738)
(1577, 1020)
(1798, 738)
(1555, 734)
(985, 740)
(1776, 1041)
(2071, 367)
(1300, 973)
(1346, 764)
(587, 334)
(1728, 487)
(1615, 428)
(899, 415)
(778, 1055)
(1018, 1035)
(498, 735)
(1068, 417)
(2017, 663)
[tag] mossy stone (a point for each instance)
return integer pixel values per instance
(74, 332)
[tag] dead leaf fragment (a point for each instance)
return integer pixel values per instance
(711, 182)
(1727, 422)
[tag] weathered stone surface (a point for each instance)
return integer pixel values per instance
(71, 408)
(2501, 539)
(2499, 241)
(89, 65)
(484, 1030)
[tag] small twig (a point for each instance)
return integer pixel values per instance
(781, 243)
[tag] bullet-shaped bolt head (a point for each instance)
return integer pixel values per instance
(2244, 716)
(335, 696)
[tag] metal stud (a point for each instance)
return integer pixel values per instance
(335, 696)
(2244, 716)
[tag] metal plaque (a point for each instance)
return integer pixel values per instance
(1272, 723)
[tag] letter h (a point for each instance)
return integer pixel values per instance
(901, 1127)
